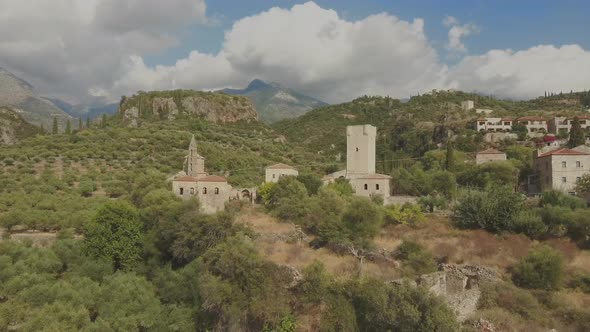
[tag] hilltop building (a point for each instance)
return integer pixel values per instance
(562, 124)
(274, 172)
(494, 124)
(211, 190)
(467, 105)
(360, 163)
(534, 124)
(489, 155)
(559, 169)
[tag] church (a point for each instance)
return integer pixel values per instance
(212, 191)
(360, 163)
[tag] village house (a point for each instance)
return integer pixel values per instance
(467, 105)
(274, 172)
(563, 125)
(560, 169)
(489, 155)
(494, 124)
(360, 163)
(534, 124)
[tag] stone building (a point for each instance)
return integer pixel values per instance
(274, 172)
(534, 124)
(562, 124)
(489, 155)
(560, 169)
(211, 190)
(467, 105)
(360, 163)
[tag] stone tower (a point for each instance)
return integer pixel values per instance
(360, 149)
(195, 164)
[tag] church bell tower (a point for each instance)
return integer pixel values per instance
(195, 164)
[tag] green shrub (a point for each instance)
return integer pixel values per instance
(541, 269)
(416, 259)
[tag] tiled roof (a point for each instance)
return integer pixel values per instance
(490, 151)
(212, 178)
(280, 166)
(563, 152)
(186, 179)
(507, 119)
(375, 177)
(532, 118)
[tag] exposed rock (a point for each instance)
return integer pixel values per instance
(131, 117)
(483, 325)
(13, 127)
(294, 274)
(230, 110)
(164, 106)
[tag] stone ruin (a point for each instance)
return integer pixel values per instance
(457, 284)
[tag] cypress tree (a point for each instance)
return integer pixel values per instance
(103, 123)
(87, 123)
(42, 129)
(80, 124)
(450, 158)
(55, 128)
(68, 127)
(576, 134)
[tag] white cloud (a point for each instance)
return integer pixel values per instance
(93, 48)
(457, 32)
(524, 74)
(70, 47)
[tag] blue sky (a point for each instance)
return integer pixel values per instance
(503, 24)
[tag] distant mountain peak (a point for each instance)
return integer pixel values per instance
(274, 102)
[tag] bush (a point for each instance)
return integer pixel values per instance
(407, 214)
(530, 224)
(416, 259)
(541, 269)
(556, 198)
(495, 209)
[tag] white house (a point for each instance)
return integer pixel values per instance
(274, 172)
(489, 155)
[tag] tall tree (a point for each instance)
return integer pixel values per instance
(68, 127)
(87, 123)
(55, 129)
(115, 234)
(577, 136)
(450, 157)
(103, 123)
(80, 124)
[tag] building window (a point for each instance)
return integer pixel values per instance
(563, 164)
(563, 179)
(216, 191)
(182, 191)
(357, 149)
(578, 164)
(204, 191)
(192, 191)
(578, 179)
(377, 186)
(366, 186)
(274, 176)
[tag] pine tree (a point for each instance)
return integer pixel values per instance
(87, 123)
(576, 134)
(450, 158)
(42, 129)
(68, 127)
(80, 124)
(55, 128)
(103, 123)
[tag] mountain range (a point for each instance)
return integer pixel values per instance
(274, 102)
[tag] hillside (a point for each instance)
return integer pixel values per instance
(91, 111)
(409, 128)
(178, 104)
(14, 128)
(20, 95)
(274, 102)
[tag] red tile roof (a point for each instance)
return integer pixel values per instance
(212, 178)
(185, 179)
(563, 152)
(532, 118)
(280, 166)
(490, 151)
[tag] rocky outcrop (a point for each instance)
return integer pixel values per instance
(13, 127)
(170, 105)
(457, 284)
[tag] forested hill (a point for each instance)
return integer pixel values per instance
(169, 105)
(416, 126)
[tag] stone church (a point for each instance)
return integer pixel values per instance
(212, 191)
(360, 163)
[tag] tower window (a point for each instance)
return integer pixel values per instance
(377, 186)
(563, 164)
(366, 186)
(578, 164)
(182, 191)
(564, 179)
(216, 191)
(357, 149)
(205, 191)
(192, 191)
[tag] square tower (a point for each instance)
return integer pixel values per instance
(360, 149)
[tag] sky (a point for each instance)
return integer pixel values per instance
(85, 50)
